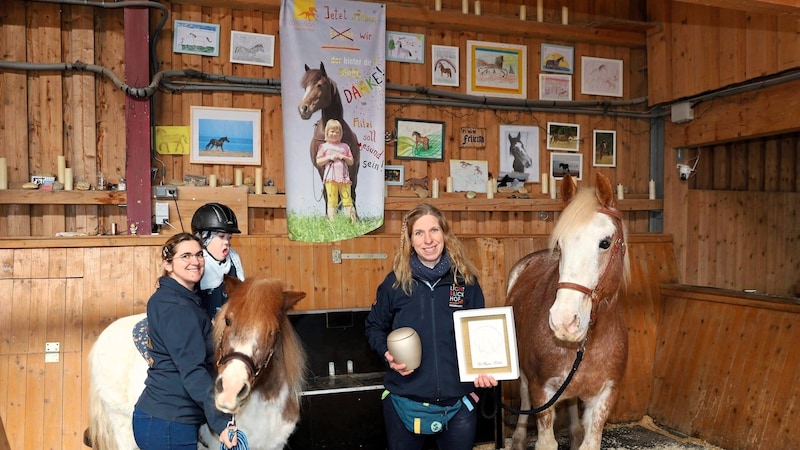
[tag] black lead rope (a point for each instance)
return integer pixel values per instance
(551, 402)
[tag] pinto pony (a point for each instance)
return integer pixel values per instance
(565, 303)
(261, 367)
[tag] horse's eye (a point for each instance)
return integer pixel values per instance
(605, 243)
(227, 321)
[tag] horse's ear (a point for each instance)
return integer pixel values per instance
(602, 189)
(290, 298)
(307, 68)
(231, 283)
(568, 188)
(322, 68)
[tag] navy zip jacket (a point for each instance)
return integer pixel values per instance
(180, 382)
(430, 312)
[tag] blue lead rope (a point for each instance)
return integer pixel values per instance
(241, 443)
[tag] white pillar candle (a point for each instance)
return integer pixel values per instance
(489, 188)
(237, 177)
(564, 15)
(259, 180)
(651, 188)
(477, 7)
(438, 5)
(3, 174)
(212, 180)
(539, 11)
(522, 12)
(620, 192)
(449, 184)
(465, 6)
(553, 188)
(545, 183)
(68, 178)
(62, 164)
(435, 188)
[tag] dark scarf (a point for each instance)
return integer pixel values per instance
(427, 274)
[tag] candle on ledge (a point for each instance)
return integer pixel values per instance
(522, 12)
(259, 181)
(435, 188)
(620, 192)
(62, 164)
(449, 184)
(3, 174)
(68, 179)
(438, 5)
(564, 15)
(545, 183)
(465, 6)
(651, 188)
(490, 188)
(237, 177)
(212, 180)
(553, 190)
(539, 11)
(477, 7)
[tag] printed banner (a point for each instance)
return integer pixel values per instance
(332, 73)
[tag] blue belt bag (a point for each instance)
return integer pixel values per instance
(425, 418)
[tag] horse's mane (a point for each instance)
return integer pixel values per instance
(577, 215)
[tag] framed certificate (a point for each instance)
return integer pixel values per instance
(486, 342)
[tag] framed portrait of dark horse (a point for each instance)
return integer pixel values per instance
(419, 139)
(225, 136)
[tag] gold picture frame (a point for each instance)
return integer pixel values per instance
(486, 343)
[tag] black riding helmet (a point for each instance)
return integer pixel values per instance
(214, 217)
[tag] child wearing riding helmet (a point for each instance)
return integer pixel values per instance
(215, 224)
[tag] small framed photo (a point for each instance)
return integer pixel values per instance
(555, 87)
(225, 136)
(419, 139)
(566, 163)
(604, 144)
(558, 58)
(519, 151)
(405, 47)
(444, 65)
(497, 70)
(563, 136)
(394, 175)
(196, 38)
(252, 48)
(486, 343)
(601, 76)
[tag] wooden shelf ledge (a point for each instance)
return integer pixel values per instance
(43, 197)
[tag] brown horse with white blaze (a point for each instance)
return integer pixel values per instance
(565, 301)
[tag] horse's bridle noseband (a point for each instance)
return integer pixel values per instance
(248, 362)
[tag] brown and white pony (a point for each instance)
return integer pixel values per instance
(261, 366)
(565, 299)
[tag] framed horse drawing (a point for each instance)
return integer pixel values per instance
(419, 139)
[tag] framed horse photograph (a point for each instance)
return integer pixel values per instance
(419, 139)
(394, 175)
(519, 151)
(604, 145)
(563, 136)
(566, 164)
(225, 136)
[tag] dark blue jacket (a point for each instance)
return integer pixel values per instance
(180, 382)
(430, 313)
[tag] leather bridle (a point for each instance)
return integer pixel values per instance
(248, 362)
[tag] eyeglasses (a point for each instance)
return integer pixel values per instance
(187, 257)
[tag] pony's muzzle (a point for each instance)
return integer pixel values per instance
(225, 399)
(567, 325)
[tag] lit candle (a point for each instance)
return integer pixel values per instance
(449, 184)
(620, 192)
(237, 177)
(435, 188)
(477, 7)
(489, 188)
(212, 180)
(652, 189)
(438, 5)
(545, 184)
(539, 11)
(465, 6)
(61, 165)
(68, 178)
(564, 15)
(522, 12)
(553, 188)
(259, 180)
(3, 174)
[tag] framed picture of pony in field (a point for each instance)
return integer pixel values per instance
(419, 139)
(486, 342)
(497, 70)
(604, 144)
(225, 136)
(252, 48)
(566, 163)
(563, 136)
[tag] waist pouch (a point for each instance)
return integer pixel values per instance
(425, 418)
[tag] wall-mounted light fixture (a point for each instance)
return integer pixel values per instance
(686, 161)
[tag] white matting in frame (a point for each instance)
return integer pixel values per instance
(486, 343)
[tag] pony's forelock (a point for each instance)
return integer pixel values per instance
(575, 216)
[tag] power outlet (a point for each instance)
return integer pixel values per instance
(166, 192)
(162, 213)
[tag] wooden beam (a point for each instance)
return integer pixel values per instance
(772, 7)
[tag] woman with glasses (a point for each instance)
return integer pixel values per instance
(178, 394)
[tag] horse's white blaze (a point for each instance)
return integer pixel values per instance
(234, 378)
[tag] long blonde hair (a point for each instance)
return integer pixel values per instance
(461, 265)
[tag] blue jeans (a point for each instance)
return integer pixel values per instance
(152, 433)
(458, 435)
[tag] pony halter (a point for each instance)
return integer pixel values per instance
(248, 362)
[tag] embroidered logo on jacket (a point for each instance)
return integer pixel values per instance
(456, 296)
